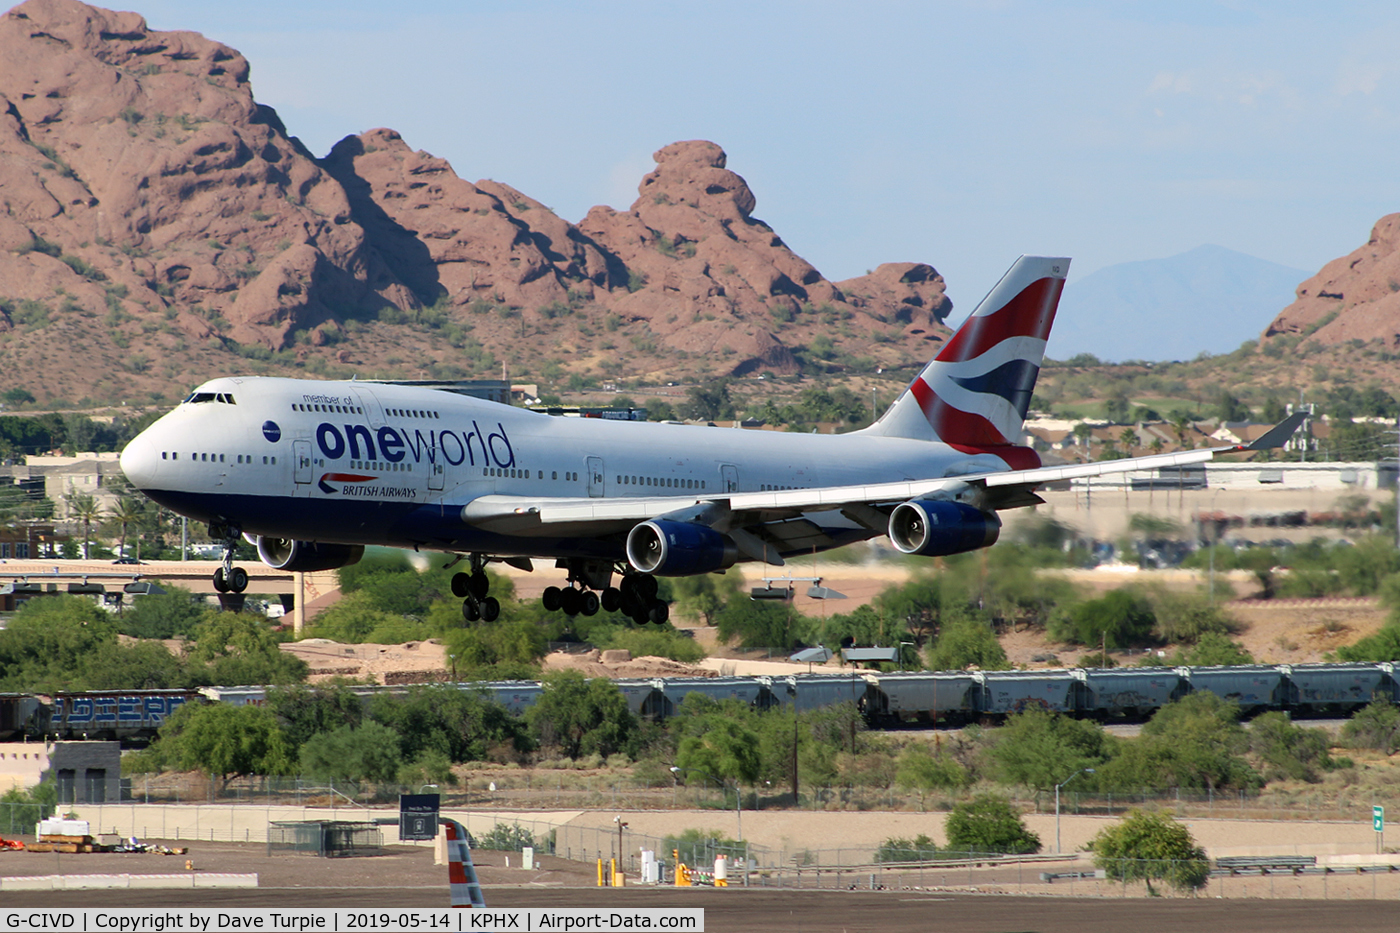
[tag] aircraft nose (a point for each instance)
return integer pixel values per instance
(141, 461)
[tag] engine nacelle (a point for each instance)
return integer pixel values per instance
(936, 527)
(307, 556)
(678, 549)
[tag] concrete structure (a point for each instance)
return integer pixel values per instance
(1267, 501)
(85, 772)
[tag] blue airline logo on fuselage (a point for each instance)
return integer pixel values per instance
(472, 447)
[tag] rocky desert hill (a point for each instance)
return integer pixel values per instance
(160, 226)
(1356, 297)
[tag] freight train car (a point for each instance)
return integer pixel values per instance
(114, 714)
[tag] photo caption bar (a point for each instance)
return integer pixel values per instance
(367, 920)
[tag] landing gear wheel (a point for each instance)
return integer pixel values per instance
(220, 584)
(479, 584)
(470, 612)
(659, 612)
(551, 598)
(571, 601)
(238, 580)
(490, 609)
(461, 585)
(645, 586)
(590, 603)
(612, 599)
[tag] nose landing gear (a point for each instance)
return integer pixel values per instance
(228, 578)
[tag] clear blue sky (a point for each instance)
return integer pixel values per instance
(956, 133)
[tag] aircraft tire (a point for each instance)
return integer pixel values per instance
(590, 603)
(238, 580)
(470, 612)
(646, 586)
(490, 609)
(220, 584)
(571, 601)
(659, 612)
(551, 598)
(480, 584)
(460, 585)
(612, 599)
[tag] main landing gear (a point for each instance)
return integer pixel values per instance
(473, 588)
(228, 578)
(635, 596)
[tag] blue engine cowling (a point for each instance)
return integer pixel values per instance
(678, 549)
(936, 527)
(307, 556)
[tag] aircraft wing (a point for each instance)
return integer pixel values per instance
(517, 513)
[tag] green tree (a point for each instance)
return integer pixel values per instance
(124, 513)
(1151, 847)
(459, 725)
(708, 402)
(1040, 749)
(1376, 726)
(966, 640)
(367, 752)
(85, 509)
(232, 648)
(761, 624)
(225, 741)
(1192, 743)
(1120, 619)
(175, 613)
(704, 595)
(725, 748)
(580, 717)
(1288, 751)
(303, 710)
(921, 769)
(1214, 649)
(919, 849)
(988, 823)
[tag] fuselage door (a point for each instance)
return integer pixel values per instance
(435, 475)
(730, 474)
(595, 477)
(301, 460)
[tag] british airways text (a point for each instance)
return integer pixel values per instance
(357, 441)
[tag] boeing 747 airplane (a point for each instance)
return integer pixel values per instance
(314, 471)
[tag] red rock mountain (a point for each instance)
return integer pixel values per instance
(162, 223)
(1356, 297)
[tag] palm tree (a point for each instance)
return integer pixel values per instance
(84, 507)
(125, 511)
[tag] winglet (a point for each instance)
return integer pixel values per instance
(461, 873)
(1279, 434)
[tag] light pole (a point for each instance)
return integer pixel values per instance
(1057, 803)
(738, 796)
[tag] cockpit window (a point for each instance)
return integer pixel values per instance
(198, 397)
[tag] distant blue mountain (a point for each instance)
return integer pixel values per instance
(1210, 298)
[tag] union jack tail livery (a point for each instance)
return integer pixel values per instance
(461, 873)
(975, 394)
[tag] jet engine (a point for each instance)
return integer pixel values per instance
(936, 527)
(306, 556)
(678, 549)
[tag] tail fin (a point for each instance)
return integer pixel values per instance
(461, 873)
(975, 394)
